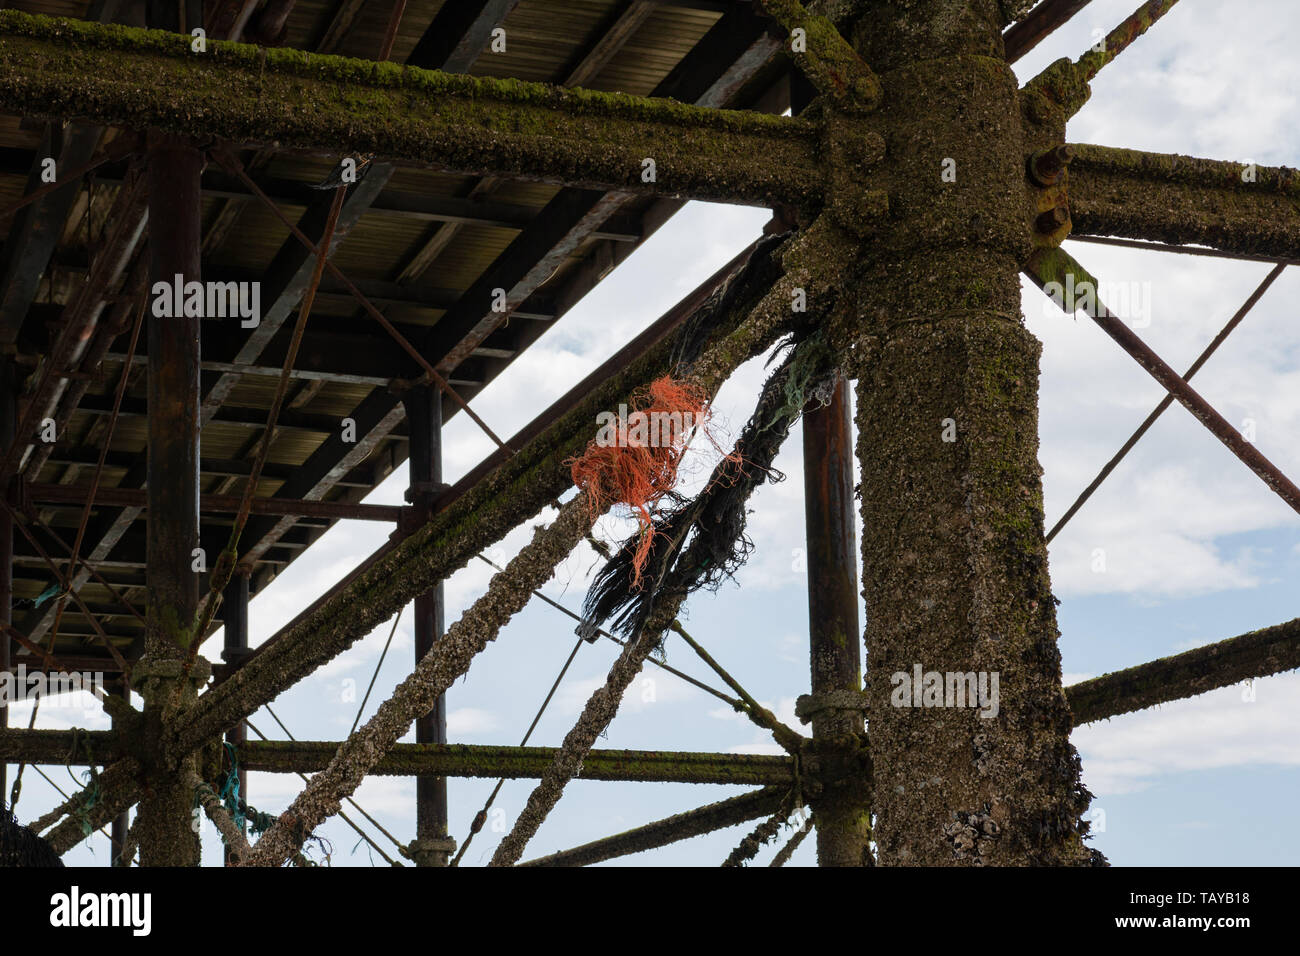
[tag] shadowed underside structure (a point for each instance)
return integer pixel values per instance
(418, 191)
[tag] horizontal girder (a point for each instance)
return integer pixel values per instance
(1158, 197)
(332, 105)
(448, 760)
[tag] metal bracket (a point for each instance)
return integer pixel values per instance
(807, 705)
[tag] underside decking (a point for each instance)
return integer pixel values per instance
(426, 247)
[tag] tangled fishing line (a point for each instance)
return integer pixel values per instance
(701, 541)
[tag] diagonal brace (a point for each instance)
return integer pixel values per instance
(1048, 266)
(825, 57)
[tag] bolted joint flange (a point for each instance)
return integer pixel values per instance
(431, 852)
(807, 706)
(1047, 181)
(855, 151)
(150, 675)
(836, 772)
(421, 495)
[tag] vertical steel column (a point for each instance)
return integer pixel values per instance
(424, 413)
(234, 608)
(121, 822)
(173, 496)
(175, 165)
(842, 816)
(8, 416)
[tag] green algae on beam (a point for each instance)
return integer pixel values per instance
(290, 99)
(1118, 40)
(1053, 265)
(1261, 218)
(465, 760)
(78, 35)
(829, 62)
(1060, 85)
(1192, 170)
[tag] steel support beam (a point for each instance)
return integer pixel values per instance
(1270, 650)
(173, 376)
(835, 642)
(121, 822)
(451, 760)
(462, 760)
(423, 406)
(44, 493)
(1038, 25)
(252, 96)
(234, 609)
(459, 34)
(8, 420)
(1158, 197)
(175, 234)
(1055, 265)
(681, 826)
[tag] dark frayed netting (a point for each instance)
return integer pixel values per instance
(19, 846)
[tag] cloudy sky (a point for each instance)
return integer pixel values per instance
(1196, 548)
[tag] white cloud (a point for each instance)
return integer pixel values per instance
(1213, 731)
(470, 721)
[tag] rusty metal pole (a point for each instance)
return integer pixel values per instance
(834, 708)
(121, 822)
(175, 165)
(234, 607)
(432, 847)
(8, 417)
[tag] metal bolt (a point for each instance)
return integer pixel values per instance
(1045, 167)
(1051, 220)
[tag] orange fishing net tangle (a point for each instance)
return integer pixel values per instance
(634, 458)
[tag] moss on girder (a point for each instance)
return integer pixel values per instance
(284, 97)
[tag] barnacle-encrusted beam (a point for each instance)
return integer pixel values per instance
(448, 660)
(116, 789)
(491, 762)
(1118, 40)
(231, 835)
(1160, 197)
(70, 747)
(1270, 650)
(681, 826)
(19, 745)
(287, 98)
